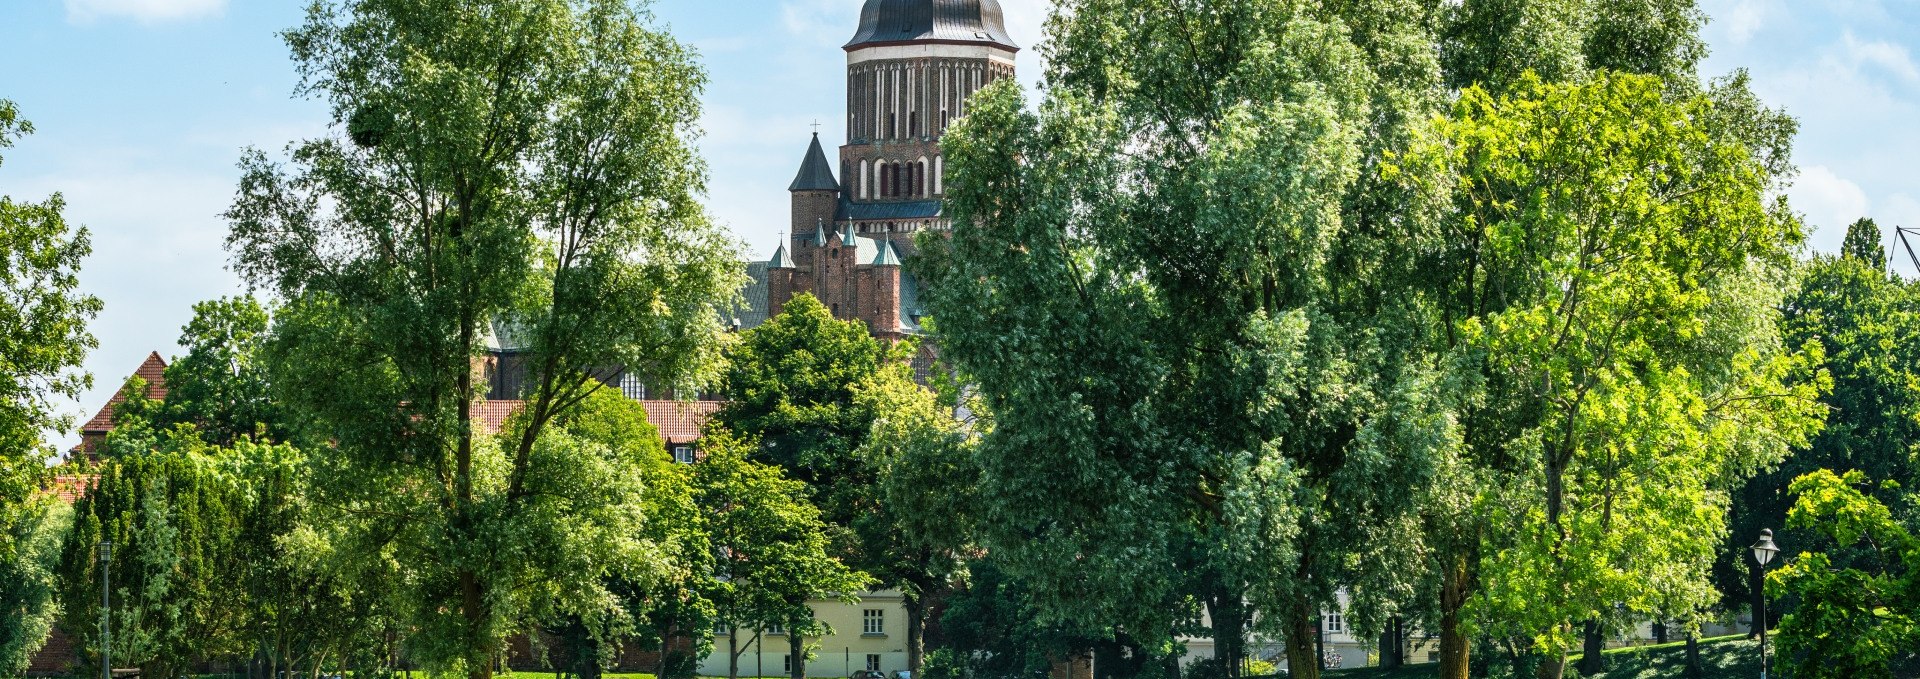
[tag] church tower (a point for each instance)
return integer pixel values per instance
(911, 66)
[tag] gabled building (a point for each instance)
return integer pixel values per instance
(93, 433)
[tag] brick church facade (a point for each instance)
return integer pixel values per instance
(911, 66)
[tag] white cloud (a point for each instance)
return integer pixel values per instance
(1887, 56)
(1830, 202)
(143, 11)
(1744, 18)
(822, 21)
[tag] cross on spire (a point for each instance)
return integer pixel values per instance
(816, 127)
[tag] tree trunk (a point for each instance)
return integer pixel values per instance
(1227, 612)
(798, 651)
(1551, 666)
(1694, 670)
(1302, 637)
(1392, 646)
(916, 632)
(1660, 632)
(733, 652)
(1454, 588)
(1591, 660)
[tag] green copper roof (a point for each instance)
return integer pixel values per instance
(781, 259)
(888, 256)
(820, 234)
(816, 174)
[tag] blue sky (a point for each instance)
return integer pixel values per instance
(142, 107)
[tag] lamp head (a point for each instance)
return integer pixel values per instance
(1764, 550)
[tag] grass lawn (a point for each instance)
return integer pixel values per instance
(1723, 658)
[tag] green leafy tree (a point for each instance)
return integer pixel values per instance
(45, 337)
(1140, 284)
(173, 514)
(771, 554)
(921, 454)
(35, 533)
(525, 163)
(1869, 324)
(1861, 619)
(1605, 289)
(221, 385)
(1863, 244)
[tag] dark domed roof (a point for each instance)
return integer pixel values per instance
(885, 22)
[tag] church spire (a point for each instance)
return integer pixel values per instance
(816, 174)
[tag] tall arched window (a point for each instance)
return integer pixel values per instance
(865, 188)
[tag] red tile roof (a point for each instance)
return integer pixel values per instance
(154, 371)
(69, 487)
(678, 421)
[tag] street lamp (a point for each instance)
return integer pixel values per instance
(106, 610)
(1763, 553)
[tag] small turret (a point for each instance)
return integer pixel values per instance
(887, 256)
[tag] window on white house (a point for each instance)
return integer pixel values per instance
(683, 454)
(1335, 623)
(873, 662)
(786, 665)
(776, 629)
(873, 621)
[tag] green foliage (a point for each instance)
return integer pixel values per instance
(1863, 244)
(770, 544)
(35, 533)
(791, 383)
(1860, 620)
(1869, 324)
(1606, 285)
(173, 514)
(221, 385)
(521, 164)
(45, 336)
(1138, 285)
(1492, 43)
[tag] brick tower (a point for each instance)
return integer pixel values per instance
(910, 67)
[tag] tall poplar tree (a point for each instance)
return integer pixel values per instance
(522, 164)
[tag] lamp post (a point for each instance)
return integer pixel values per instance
(1763, 553)
(106, 610)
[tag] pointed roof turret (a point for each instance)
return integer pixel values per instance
(888, 256)
(781, 258)
(816, 174)
(820, 234)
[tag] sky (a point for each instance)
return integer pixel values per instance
(142, 108)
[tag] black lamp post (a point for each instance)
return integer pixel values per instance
(106, 610)
(1763, 553)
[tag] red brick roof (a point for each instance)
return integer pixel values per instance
(154, 371)
(678, 421)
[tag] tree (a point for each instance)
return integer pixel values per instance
(1863, 245)
(173, 515)
(45, 337)
(792, 384)
(770, 547)
(1605, 291)
(1857, 620)
(221, 385)
(921, 518)
(1869, 324)
(35, 533)
(1141, 284)
(524, 164)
